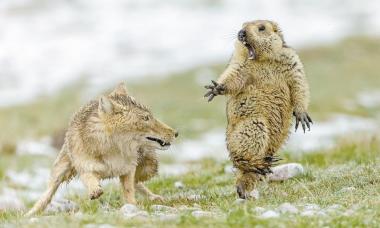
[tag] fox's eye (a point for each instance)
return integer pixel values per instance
(146, 118)
(261, 28)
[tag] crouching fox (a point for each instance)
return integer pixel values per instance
(114, 136)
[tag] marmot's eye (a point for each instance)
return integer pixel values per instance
(261, 28)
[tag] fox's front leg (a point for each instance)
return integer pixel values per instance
(92, 182)
(145, 191)
(128, 185)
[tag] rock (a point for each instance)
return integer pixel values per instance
(308, 213)
(258, 210)
(10, 202)
(254, 194)
(166, 216)
(347, 189)
(162, 208)
(62, 205)
(200, 214)
(131, 211)
(287, 208)
(186, 208)
(269, 214)
(94, 225)
(311, 206)
(179, 185)
(195, 197)
(240, 201)
(286, 171)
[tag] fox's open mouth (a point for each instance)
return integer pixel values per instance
(159, 141)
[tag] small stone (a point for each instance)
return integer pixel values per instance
(286, 171)
(311, 206)
(200, 214)
(258, 210)
(186, 208)
(287, 208)
(179, 185)
(94, 225)
(166, 216)
(195, 197)
(269, 214)
(62, 205)
(254, 194)
(131, 211)
(347, 189)
(240, 201)
(162, 208)
(308, 213)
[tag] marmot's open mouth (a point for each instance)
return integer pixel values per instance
(251, 50)
(159, 141)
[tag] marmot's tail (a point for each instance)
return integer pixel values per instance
(62, 171)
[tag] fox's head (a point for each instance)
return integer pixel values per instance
(122, 116)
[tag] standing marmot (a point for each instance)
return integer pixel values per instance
(265, 84)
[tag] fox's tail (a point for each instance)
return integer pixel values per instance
(62, 171)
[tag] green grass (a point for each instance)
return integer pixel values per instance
(337, 73)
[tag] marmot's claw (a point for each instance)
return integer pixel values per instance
(305, 120)
(214, 90)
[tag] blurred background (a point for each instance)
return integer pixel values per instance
(57, 55)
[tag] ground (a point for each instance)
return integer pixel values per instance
(340, 186)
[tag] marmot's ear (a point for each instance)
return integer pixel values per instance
(121, 89)
(105, 105)
(278, 30)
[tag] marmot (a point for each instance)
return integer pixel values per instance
(265, 85)
(114, 136)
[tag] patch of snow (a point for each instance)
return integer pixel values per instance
(9, 201)
(179, 185)
(36, 147)
(47, 45)
(62, 205)
(285, 172)
(269, 214)
(369, 99)
(323, 134)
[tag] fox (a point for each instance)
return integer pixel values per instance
(113, 136)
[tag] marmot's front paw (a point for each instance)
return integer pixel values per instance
(304, 118)
(214, 90)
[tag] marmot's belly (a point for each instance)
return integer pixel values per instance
(271, 105)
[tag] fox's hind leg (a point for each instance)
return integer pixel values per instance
(128, 184)
(248, 147)
(92, 183)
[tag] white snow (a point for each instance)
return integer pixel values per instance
(269, 214)
(40, 146)
(46, 45)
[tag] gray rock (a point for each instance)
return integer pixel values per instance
(311, 206)
(258, 210)
(287, 208)
(62, 205)
(163, 208)
(179, 185)
(200, 214)
(285, 172)
(269, 214)
(131, 211)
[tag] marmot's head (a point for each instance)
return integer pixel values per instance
(261, 38)
(124, 117)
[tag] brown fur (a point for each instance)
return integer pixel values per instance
(108, 138)
(262, 94)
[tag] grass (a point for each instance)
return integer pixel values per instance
(337, 73)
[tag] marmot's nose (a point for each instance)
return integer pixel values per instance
(242, 34)
(176, 134)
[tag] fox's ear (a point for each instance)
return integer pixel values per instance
(105, 105)
(120, 89)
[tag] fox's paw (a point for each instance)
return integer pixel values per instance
(96, 193)
(155, 197)
(304, 118)
(215, 89)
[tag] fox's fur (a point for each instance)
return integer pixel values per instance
(262, 95)
(113, 136)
